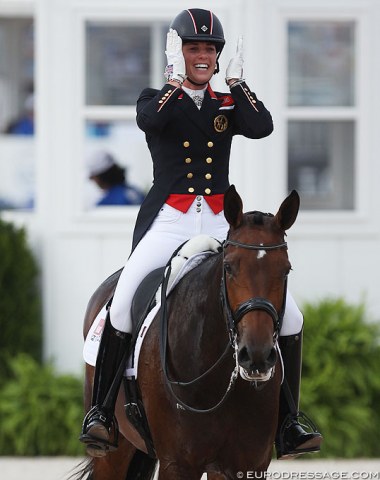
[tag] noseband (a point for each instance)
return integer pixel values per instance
(256, 303)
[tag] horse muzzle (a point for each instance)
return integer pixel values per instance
(255, 367)
(256, 376)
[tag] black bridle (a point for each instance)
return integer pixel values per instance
(233, 319)
(256, 303)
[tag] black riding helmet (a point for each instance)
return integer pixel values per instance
(196, 24)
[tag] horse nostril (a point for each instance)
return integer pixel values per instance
(243, 356)
(272, 357)
(258, 360)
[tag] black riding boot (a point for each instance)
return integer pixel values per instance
(292, 439)
(100, 428)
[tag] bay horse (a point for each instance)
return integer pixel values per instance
(209, 369)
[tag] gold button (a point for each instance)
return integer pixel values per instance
(188, 160)
(208, 176)
(160, 101)
(208, 191)
(190, 190)
(186, 144)
(208, 160)
(170, 91)
(189, 175)
(210, 144)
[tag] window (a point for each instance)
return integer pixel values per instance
(321, 113)
(117, 63)
(121, 58)
(321, 162)
(16, 113)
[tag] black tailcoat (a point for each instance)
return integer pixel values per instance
(190, 148)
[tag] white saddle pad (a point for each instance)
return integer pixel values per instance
(181, 264)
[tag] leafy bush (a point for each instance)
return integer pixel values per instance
(341, 378)
(20, 312)
(40, 412)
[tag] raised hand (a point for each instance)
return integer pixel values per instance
(176, 67)
(235, 67)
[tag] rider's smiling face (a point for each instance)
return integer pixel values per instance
(200, 59)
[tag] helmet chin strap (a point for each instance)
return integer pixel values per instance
(195, 83)
(201, 84)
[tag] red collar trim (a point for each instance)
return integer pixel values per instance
(211, 92)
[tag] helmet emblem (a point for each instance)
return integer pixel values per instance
(204, 28)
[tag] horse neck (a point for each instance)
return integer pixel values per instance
(212, 324)
(197, 324)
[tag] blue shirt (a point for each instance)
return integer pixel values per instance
(122, 195)
(24, 126)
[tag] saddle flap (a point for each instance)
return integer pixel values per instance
(144, 298)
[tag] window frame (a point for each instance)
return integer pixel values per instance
(107, 113)
(66, 130)
(327, 114)
(339, 221)
(23, 12)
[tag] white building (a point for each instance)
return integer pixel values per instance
(315, 64)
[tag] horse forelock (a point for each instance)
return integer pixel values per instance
(257, 218)
(253, 218)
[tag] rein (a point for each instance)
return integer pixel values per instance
(233, 318)
(163, 354)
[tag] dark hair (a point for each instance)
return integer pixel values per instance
(115, 175)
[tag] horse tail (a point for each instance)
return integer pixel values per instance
(142, 467)
(84, 470)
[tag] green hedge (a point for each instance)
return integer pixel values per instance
(40, 411)
(341, 378)
(20, 304)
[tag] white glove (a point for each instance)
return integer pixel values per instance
(235, 67)
(176, 67)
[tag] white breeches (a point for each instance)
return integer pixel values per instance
(168, 231)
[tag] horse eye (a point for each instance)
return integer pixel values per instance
(227, 268)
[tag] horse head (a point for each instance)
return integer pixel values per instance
(256, 267)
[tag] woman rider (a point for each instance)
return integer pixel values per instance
(189, 130)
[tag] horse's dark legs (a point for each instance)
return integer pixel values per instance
(114, 465)
(174, 471)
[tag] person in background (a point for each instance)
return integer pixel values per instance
(24, 125)
(111, 178)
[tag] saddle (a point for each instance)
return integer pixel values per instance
(145, 298)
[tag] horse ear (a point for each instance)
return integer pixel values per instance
(233, 207)
(288, 211)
